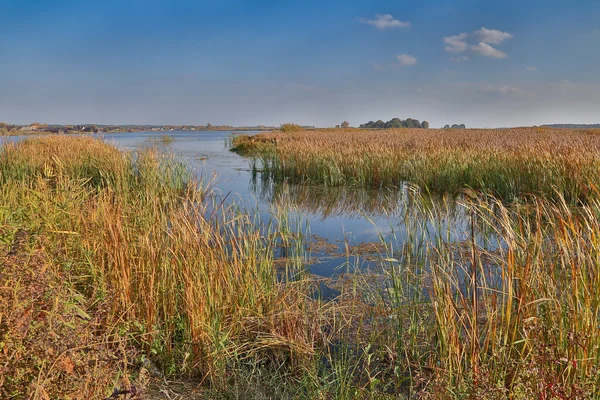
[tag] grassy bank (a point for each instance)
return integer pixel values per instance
(115, 265)
(508, 163)
(123, 255)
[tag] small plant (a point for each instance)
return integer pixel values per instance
(167, 139)
(291, 127)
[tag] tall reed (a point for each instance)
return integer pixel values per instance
(510, 311)
(509, 163)
(192, 280)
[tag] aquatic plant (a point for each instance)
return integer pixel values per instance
(290, 127)
(509, 163)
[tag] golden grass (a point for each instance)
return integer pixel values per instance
(509, 163)
(113, 255)
(191, 283)
(519, 320)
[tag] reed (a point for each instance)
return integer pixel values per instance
(508, 163)
(113, 256)
(509, 311)
(190, 283)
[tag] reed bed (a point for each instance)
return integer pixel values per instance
(189, 284)
(110, 259)
(508, 163)
(516, 315)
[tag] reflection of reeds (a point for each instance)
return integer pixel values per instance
(509, 163)
(336, 201)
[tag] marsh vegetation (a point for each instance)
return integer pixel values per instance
(508, 163)
(116, 261)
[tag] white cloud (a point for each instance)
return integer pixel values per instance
(488, 51)
(405, 60)
(505, 90)
(384, 21)
(492, 36)
(531, 69)
(457, 43)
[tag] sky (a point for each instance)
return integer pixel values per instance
(479, 63)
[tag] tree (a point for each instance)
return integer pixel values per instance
(345, 124)
(396, 123)
(411, 123)
(455, 126)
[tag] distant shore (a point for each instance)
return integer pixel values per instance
(37, 129)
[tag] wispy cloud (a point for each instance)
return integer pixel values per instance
(401, 60)
(488, 51)
(457, 43)
(531, 69)
(505, 90)
(405, 60)
(492, 36)
(384, 21)
(378, 66)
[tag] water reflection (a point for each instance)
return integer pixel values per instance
(327, 201)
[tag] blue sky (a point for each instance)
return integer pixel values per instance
(482, 63)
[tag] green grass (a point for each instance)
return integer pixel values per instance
(291, 127)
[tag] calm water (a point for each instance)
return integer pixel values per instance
(338, 217)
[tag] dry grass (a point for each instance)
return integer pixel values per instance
(191, 284)
(54, 343)
(520, 320)
(508, 163)
(107, 256)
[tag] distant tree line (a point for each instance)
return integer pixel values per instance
(455, 126)
(396, 123)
